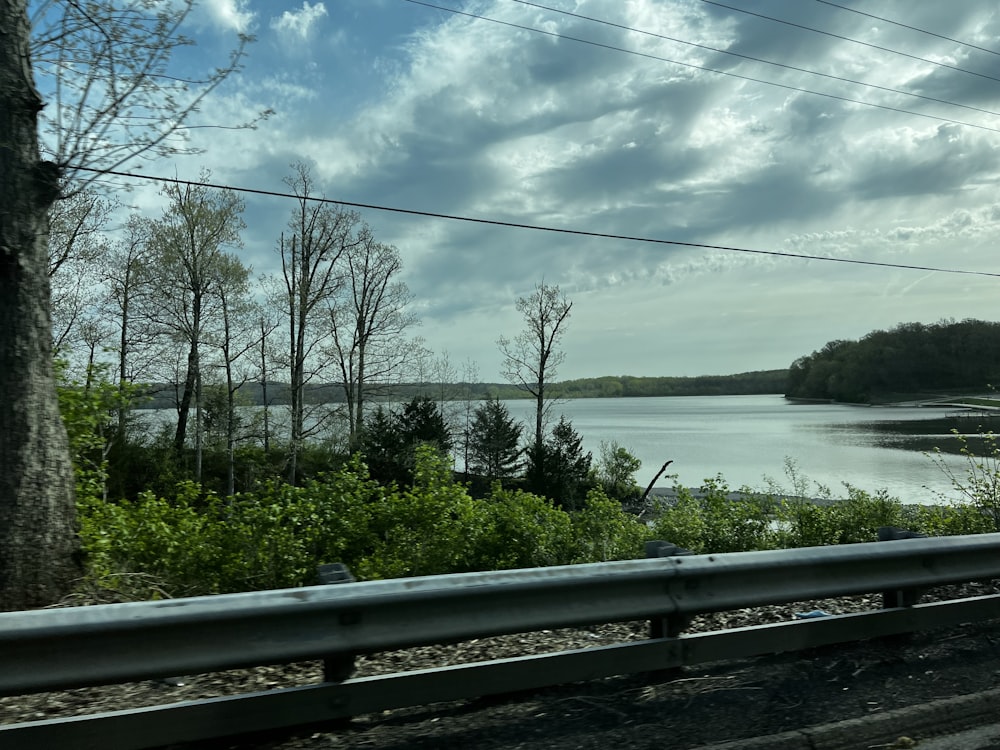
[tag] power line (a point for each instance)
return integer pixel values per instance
(730, 74)
(758, 59)
(907, 26)
(538, 227)
(848, 39)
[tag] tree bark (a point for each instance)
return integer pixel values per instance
(38, 539)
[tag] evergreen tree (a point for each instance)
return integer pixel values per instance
(494, 438)
(390, 439)
(559, 469)
(422, 422)
(382, 446)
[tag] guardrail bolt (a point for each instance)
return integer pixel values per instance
(670, 626)
(338, 667)
(899, 597)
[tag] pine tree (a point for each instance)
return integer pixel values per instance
(494, 441)
(559, 469)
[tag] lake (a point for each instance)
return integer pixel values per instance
(748, 438)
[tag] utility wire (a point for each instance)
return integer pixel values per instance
(907, 26)
(848, 39)
(730, 74)
(537, 227)
(757, 59)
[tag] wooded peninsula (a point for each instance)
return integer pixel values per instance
(909, 362)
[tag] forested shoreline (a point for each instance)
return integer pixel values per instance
(910, 361)
(755, 383)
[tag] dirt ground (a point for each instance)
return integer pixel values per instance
(681, 709)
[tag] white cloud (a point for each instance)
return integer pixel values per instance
(459, 116)
(297, 25)
(229, 15)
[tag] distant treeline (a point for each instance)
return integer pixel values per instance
(611, 386)
(910, 361)
(742, 384)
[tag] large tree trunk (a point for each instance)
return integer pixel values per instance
(38, 540)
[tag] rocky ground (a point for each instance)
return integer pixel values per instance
(681, 709)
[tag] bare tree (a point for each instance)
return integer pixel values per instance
(128, 296)
(76, 245)
(237, 336)
(265, 326)
(531, 359)
(113, 99)
(368, 320)
(115, 96)
(466, 393)
(320, 235)
(188, 268)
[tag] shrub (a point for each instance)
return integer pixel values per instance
(517, 529)
(858, 517)
(801, 523)
(603, 531)
(980, 487)
(426, 529)
(718, 520)
(616, 468)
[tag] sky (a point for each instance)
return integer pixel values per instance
(874, 141)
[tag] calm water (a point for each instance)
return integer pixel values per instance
(747, 439)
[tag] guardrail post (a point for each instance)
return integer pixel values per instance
(672, 625)
(899, 597)
(339, 667)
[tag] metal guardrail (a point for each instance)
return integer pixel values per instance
(63, 648)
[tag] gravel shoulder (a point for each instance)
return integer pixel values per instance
(680, 709)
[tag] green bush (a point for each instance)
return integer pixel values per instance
(980, 487)
(616, 468)
(681, 522)
(717, 520)
(947, 520)
(603, 531)
(426, 529)
(173, 542)
(858, 517)
(801, 523)
(517, 529)
(192, 541)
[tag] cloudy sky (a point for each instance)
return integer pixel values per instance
(866, 138)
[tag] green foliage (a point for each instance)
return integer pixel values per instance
(197, 543)
(603, 531)
(87, 408)
(762, 381)
(426, 529)
(859, 515)
(494, 440)
(558, 468)
(718, 520)
(802, 523)
(390, 440)
(680, 522)
(616, 468)
(382, 446)
(189, 540)
(946, 520)
(174, 541)
(517, 529)
(911, 358)
(980, 487)
(421, 421)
